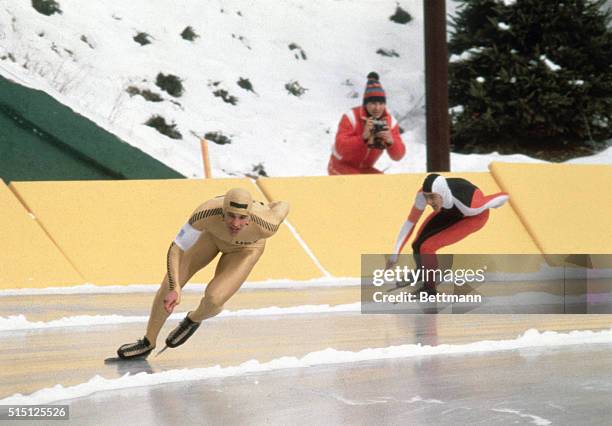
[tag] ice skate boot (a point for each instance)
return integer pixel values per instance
(139, 350)
(182, 332)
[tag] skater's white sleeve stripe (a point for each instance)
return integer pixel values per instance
(401, 239)
(419, 201)
(187, 237)
(492, 204)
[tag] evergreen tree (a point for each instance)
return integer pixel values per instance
(535, 73)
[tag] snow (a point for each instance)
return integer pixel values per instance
(20, 322)
(192, 288)
(550, 64)
(530, 339)
(458, 109)
(466, 54)
(86, 58)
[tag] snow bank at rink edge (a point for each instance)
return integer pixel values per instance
(20, 322)
(546, 273)
(189, 288)
(531, 338)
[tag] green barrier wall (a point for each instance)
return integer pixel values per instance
(41, 139)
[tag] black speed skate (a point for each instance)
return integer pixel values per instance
(401, 284)
(182, 332)
(428, 289)
(139, 350)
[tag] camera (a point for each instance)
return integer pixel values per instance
(379, 126)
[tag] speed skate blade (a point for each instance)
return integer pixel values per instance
(163, 349)
(117, 360)
(398, 285)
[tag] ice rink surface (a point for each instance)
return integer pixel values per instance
(479, 384)
(541, 387)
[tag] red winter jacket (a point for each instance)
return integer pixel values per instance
(350, 150)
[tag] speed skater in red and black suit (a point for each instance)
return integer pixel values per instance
(459, 209)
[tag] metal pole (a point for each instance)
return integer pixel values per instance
(436, 86)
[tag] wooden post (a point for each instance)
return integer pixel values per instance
(205, 160)
(436, 86)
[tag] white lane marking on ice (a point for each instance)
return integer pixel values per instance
(20, 322)
(558, 407)
(453, 409)
(324, 357)
(598, 385)
(539, 421)
(365, 402)
(419, 399)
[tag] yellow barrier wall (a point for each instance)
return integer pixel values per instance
(566, 208)
(28, 257)
(118, 232)
(342, 217)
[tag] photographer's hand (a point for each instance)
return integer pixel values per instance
(367, 129)
(386, 137)
(371, 143)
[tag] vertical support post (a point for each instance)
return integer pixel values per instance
(205, 159)
(436, 86)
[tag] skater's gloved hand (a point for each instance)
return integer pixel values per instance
(171, 300)
(391, 262)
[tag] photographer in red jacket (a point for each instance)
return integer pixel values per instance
(364, 133)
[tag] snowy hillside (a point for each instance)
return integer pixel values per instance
(236, 61)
